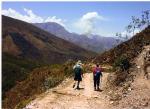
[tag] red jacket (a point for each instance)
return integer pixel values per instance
(97, 68)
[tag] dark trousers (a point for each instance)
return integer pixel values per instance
(78, 84)
(96, 81)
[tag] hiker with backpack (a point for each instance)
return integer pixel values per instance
(97, 75)
(78, 74)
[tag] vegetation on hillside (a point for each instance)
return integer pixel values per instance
(15, 70)
(38, 81)
(122, 62)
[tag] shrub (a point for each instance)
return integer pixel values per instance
(120, 66)
(122, 62)
(22, 104)
(52, 81)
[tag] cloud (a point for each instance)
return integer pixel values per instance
(124, 33)
(31, 17)
(55, 19)
(91, 16)
(87, 22)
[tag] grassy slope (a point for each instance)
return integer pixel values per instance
(39, 80)
(14, 70)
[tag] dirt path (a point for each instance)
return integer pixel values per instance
(65, 97)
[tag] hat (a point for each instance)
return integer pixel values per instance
(79, 62)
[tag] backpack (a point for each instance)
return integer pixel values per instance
(98, 72)
(77, 70)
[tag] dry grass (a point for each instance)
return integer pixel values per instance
(38, 81)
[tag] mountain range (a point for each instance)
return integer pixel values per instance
(22, 39)
(95, 43)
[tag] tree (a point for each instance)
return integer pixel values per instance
(146, 16)
(129, 28)
(143, 22)
(135, 24)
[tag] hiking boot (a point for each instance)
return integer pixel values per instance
(98, 89)
(78, 87)
(73, 85)
(94, 88)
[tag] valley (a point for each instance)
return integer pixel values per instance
(37, 70)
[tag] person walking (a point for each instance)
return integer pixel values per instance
(78, 74)
(97, 75)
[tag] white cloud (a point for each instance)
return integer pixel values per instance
(55, 19)
(91, 16)
(87, 22)
(31, 17)
(124, 33)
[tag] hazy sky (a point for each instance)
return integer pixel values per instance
(103, 18)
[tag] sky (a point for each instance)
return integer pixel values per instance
(102, 18)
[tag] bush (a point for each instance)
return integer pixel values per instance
(52, 82)
(120, 66)
(122, 62)
(22, 104)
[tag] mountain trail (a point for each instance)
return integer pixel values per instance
(65, 97)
